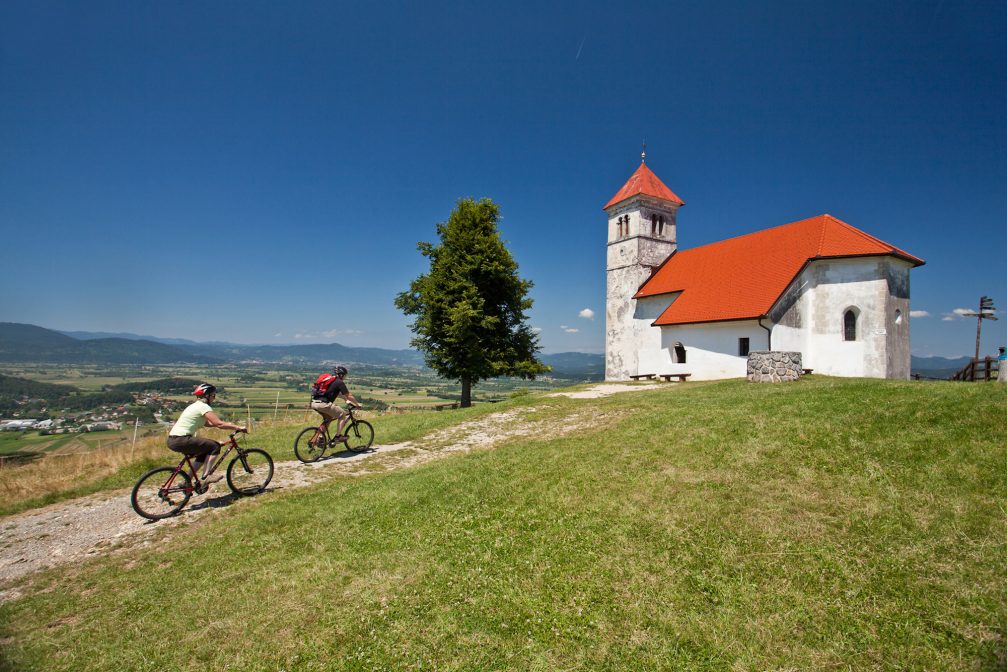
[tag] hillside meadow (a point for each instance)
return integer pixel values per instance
(825, 524)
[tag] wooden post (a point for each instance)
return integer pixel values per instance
(136, 426)
(277, 406)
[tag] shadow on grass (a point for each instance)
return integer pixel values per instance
(344, 454)
(214, 503)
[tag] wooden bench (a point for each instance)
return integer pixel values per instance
(807, 372)
(681, 377)
(644, 376)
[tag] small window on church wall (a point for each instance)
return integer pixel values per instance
(743, 347)
(660, 225)
(850, 326)
(653, 224)
(679, 353)
(898, 317)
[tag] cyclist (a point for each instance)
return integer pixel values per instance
(323, 397)
(182, 437)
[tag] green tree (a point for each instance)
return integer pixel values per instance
(470, 307)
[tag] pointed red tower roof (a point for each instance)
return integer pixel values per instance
(645, 182)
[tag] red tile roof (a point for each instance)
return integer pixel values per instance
(741, 278)
(645, 182)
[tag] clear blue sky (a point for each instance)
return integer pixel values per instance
(262, 172)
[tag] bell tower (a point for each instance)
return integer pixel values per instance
(641, 235)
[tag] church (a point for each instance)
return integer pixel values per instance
(818, 286)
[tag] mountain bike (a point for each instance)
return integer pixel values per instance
(162, 492)
(311, 443)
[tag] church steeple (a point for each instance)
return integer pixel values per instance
(644, 182)
(641, 235)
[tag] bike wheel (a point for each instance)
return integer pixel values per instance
(161, 493)
(250, 472)
(360, 436)
(310, 444)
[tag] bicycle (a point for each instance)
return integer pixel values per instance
(162, 492)
(311, 443)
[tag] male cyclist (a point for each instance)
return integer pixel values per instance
(182, 437)
(324, 392)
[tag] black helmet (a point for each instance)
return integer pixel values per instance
(204, 390)
(340, 370)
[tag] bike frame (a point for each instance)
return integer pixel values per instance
(186, 461)
(323, 428)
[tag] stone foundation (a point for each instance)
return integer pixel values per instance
(773, 367)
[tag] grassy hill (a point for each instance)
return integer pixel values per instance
(29, 343)
(825, 524)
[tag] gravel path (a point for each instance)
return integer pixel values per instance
(105, 522)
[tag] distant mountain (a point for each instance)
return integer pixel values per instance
(937, 367)
(93, 335)
(318, 353)
(576, 365)
(29, 343)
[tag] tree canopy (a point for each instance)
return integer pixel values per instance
(469, 309)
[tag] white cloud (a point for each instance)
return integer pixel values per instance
(919, 313)
(277, 335)
(570, 330)
(948, 318)
(587, 314)
(332, 333)
(536, 330)
(962, 311)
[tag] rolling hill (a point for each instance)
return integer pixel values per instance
(30, 343)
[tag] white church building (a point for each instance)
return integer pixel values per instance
(819, 286)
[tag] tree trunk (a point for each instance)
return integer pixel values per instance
(466, 392)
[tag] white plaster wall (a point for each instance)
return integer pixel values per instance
(711, 349)
(813, 324)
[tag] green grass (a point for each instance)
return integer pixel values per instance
(827, 524)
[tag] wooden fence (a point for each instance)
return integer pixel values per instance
(983, 369)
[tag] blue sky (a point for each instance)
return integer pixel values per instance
(262, 172)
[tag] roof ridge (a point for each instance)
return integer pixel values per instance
(751, 233)
(821, 233)
(860, 232)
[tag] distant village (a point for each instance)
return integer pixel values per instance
(147, 407)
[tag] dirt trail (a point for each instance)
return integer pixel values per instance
(105, 522)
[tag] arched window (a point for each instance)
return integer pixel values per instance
(679, 353)
(620, 228)
(653, 224)
(898, 316)
(660, 225)
(850, 325)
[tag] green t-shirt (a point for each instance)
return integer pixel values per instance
(192, 418)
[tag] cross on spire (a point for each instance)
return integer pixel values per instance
(643, 154)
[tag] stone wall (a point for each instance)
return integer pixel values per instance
(773, 367)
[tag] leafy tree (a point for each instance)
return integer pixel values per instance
(470, 307)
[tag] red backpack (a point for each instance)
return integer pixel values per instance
(322, 385)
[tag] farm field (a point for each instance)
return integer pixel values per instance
(268, 390)
(250, 394)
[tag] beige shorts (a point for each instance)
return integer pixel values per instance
(329, 410)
